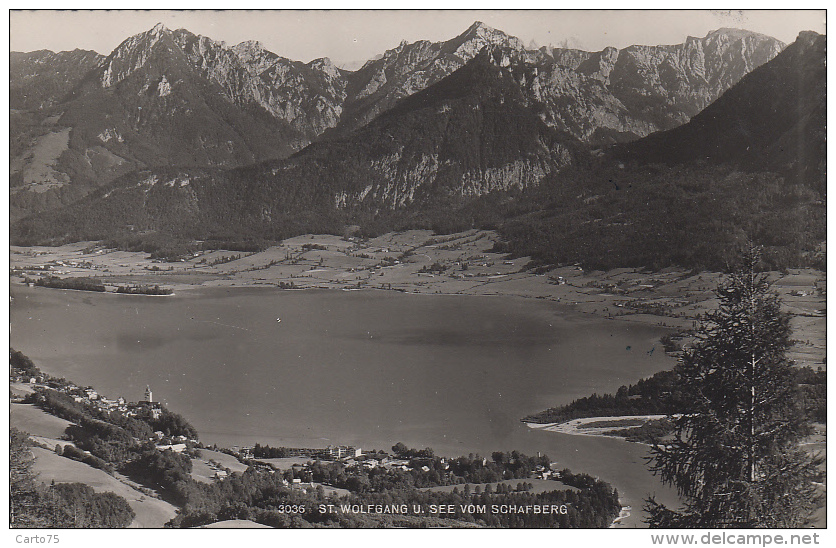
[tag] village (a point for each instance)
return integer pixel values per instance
(90, 398)
(298, 467)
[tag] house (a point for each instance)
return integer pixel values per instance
(343, 451)
(177, 447)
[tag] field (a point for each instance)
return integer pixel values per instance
(150, 512)
(235, 524)
(210, 462)
(19, 389)
(285, 462)
(28, 418)
(39, 173)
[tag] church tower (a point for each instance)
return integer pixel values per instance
(148, 396)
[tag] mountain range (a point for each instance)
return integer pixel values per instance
(193, 139)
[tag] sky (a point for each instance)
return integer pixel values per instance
(352, 37)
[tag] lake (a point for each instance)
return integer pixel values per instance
(364, 368)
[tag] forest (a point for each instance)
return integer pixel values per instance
(661, 394)
(144, 290)
(77, 283)
(33, 504)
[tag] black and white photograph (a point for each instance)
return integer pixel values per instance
(418, 269)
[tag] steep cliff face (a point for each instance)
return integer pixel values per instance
(307, 97)
(621, 95)
(470, 134)
(775, 118)
(599, 97)
(172, 97)
(686, 78)
(409, 68)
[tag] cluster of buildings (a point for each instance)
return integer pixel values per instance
(90, 397)
(332, 452)
(338, 452)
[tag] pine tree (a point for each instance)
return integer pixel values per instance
(734, 457)
(25, 507)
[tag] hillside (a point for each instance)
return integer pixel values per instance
(142, 106)
(39, 79)
(774, 119)
(468, 135)
(750, 167)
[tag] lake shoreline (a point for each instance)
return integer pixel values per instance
(402, 262)
(422, 263)
(575, 427)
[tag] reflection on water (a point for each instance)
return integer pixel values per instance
(368, 368)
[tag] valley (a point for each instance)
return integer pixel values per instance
(466, 245)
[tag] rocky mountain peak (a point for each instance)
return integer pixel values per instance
(732, 33)
(250, 48)
(133, 54)
(254, 56)
(479, 35)
(325, 65)
(478, 28)
(807, 38)
(466, 45)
